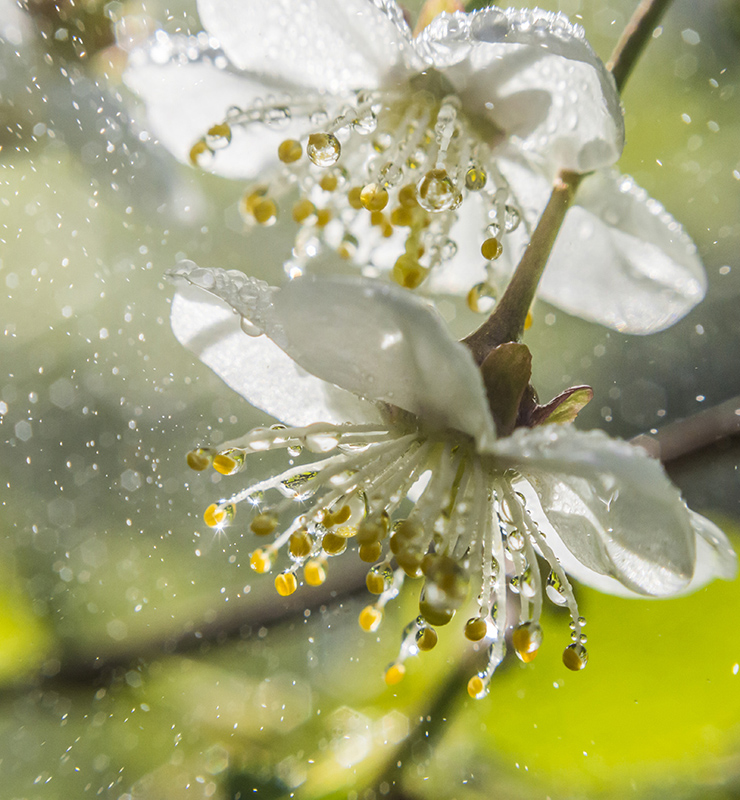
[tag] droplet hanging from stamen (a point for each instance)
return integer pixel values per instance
(554, 590)
(491, 249)
(575, 657)
(436, 191)
(526, 640)
(475, 179)
(323, 149)
(482, 298)
(219, 136)
(201, 154)
(200, 458)
(370, 618)
(374, 197)
(476, 629)
(261, 560)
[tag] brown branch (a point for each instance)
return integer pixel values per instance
(693, 434)
(634, 38)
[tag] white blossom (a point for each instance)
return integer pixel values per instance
(428, 157)
(406, 464)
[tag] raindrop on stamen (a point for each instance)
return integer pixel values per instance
(323, 149)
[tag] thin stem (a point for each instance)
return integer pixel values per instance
(635, 36)
(506, 323)
(688, 436)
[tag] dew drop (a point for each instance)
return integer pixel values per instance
(323, 149)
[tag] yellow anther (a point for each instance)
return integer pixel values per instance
(353, 196)
(374, 197)
(527, 639)
(251, 200)
(433, 614)
(475, 179)
(369, 553)
(214, 516)
(219, 135)
(528, 321)
(333, 545)
(491, 249)
(401, 217)
(264, 524)
(407, 196)
(261, 560)
(375, 583)
(304, 211)
(199, 459)
(224, 464)
(289, 151)
(323, 217)
(394, 674)
(476, 629)
(370, 619)
(337, 517)
(314, 573)
(329, 182)
(200, 153)
(575, 657)
(301, 543)
(426, 639)
(377, 218)
(285, 583)
(265, 212)
(476, 687)
(408, 272)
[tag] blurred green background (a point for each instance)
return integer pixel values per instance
(140, 658)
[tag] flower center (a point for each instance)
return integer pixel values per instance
(416, 505)
(383, 180)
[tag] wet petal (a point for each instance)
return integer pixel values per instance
(622, 260)
(512, 66)
(329, 45)
(612, 506)
(188, 88)
(382, 342)
(255, 367)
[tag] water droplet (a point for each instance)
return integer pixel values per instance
(436, 191)
(249, 327)
(219, 136)
(512, 218)
(554, 590)
(475, 179)
(515, 541)
(482, 298)
(320, 441)
(323, 149)
(277, 116)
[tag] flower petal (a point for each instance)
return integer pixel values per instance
(254, 366)
(187, 89)
(382, 342)
(613, 509)
(512, 66)
(328, 45)
(620, 259)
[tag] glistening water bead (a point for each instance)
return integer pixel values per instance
(468, 527)
(392, 167)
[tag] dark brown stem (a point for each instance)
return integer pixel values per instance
(506, 324)
(634, 38)
(688, 436)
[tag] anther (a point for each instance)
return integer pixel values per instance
(370, 619)
(314, 573)
(290, 151)
(285, 584)
(491, 249)
(527, 639)
(394, 674)
(575, 657)
(264, 524)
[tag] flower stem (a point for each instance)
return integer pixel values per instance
(635, 36)
(506, 323)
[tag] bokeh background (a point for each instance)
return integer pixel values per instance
(140, 658)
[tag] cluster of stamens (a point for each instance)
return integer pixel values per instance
(388, 166)
(415, 505)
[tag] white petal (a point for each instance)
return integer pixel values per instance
(620, 259)
(381, 342)
(715, 557)
(535, 76)
(612, 506)
(256, 367)
(187, 88)
(329, 45)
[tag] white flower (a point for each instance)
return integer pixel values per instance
(410, 468)
(426, 156)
